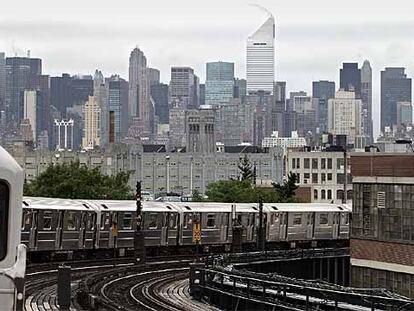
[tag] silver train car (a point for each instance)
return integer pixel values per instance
(12, 253)
(53, 228)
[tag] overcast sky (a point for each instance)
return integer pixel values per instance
(313, 37)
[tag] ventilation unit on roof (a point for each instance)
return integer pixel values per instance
(25, 203)
(85, 205)
(187, 207)
(169, 207)
(380, 199)
(275, 208)
(104, 206)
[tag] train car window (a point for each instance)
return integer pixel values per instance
(127, 221)
(323, 219)
(47, 220)
(71, 221)
(23, 220)
(211, 220)
(4, 217)
(225, 219)
(297, 219)
(152, 221)
(188, 220)
(345, 218)
(102, 221)
(274, 218)
(173, 221)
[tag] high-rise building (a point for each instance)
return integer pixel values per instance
(177, 127)
(159, 93)
(118, 108)
(31, 111)
(240, 88)
(404, 113)
(366, 96)
(67, 91)
(202, 94)
(153, 76)
(322, 91)
(344, 115)
(395, 87)
(219, 83)
(139, 92)
(19, 71)
(2, 79)
(350, 78)
(101, 96)
(260, 62)
(183, 90)
(200, 134)
(92, 124)
(280, 93)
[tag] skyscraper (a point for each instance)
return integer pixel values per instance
(322, 91)
(159, 93)
(200, 134)
(366, 96)
(19, 71)
(118, 108)
(219, 83)
(395, 87)
(183, 88)
(139, 92)
(153, 76)
(350, 78)
(92, 128)
(260, 60)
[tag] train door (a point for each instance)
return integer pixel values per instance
(283, 226)
(114, 223)
(224, 227)
(164, 228)
(335, 225)
(250, 227)
(82, 229)
(33, 231)
(310, 228)
(59, 226)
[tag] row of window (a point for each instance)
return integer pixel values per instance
(324, 163)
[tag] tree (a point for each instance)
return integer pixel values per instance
(197, 196)
(286, 191)
(229, 191)
(76, 181)
(246, 171)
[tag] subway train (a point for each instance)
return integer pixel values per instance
(78, 229)
(12, 253)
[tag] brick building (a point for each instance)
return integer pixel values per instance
(382, 239)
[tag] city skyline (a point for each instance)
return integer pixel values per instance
(65, 43)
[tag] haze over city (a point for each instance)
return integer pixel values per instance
(312, 38)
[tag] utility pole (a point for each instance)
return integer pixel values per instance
(346, 177)
(139, 239)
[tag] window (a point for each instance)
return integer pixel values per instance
(152, 221)
(323, 194)
(298, 163)
(211, 220)
(345, 218)
(315, 194)
(306, 163)
(329, 176)
(275, 218)
(329, 194)
(297, 219)
(4, 219)
(340, 179)
(293, 163)
(188, 220)
(173, 221)
(323, 163)
(323, 177)
(340, 163)
(315, 178)
(329, 164)
(71, 221)
(47, 220)
(315, 164)
(323, 219)
(127, 221)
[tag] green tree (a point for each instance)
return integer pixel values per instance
(286, 191)
(197, 196)
(229, 191)
(76, 181)
(245, 168)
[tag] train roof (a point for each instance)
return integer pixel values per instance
(131, 205)
(56, 204)
(306, 207)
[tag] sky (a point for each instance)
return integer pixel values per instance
(313, 38)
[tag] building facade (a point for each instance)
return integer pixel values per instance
(395, 87)
(219, 85)
(324, 172)
(118, 109)
(382, 232)
(159, 93)
(260, 58)
(366, 96)
(200, 133)
(92, 124)
(350, 78)
(322, 92)
(344, 115)
(184, 88)
(63, 133)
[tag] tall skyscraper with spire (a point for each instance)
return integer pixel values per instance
(260, 60)
(366, 96)
(139, 93)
